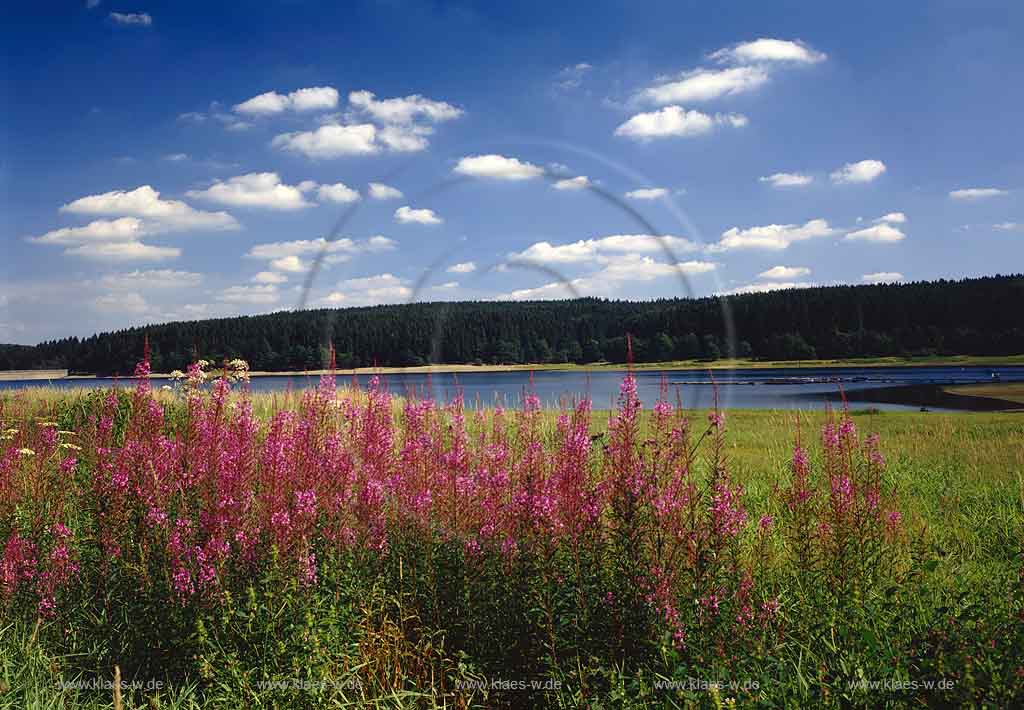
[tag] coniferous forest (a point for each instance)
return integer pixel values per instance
(979, 316)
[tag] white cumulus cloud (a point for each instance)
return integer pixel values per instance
(316, 98)
(976, 193)
(577, 183)
(290, 264)
(152, 278)
(333, 140)
(408, 215)
(465, 267)
(892, 218)
(882, 277)
(880, 234)
(774, 237)
(787, 179)
(160, 215)
(784, 272)
(380, 191)
(498, 167)
(588, 250)
(770, 50)
(124, 229)
(302, 247)
(338, 192)
(403, 110)
(647, 193)
(123, 251)
(264, 190)
(705, 85)
(269, 277)
(262, 294)
(862, 171)
(675, 122)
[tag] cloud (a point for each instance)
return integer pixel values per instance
(766, 287)
(121, 303)
(331, 141)
(588, 250)
(880, 233)
(892, 218)
(136, 19)
(770, 50)
(256, 295)
(315, 98)
(647, 193)
(675, 121)
(498, 167)
(269, 277)
(1009, 226)
(380, 191)
(705, 85)
(774, 237)
(160, 215)
(577, 183)
(216, 112)
(882, 277)
(863, 171)
(263, 190)
(634, 267)
(466, 267)
(620, 270)
(301, 247)
(572, 76)
(403, 110)
(784, 272)
(370, 290)
(290, 264)
(976, 193)
(787, 179)
(123, 251)
(404, 139)
(152, 278)
(338, 192)
(176, 157)
(124, 229)
(408, 215)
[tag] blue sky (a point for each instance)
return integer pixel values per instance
(178, 160)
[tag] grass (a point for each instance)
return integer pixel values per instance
(1008, 392)
(959, 477)
(692, 364)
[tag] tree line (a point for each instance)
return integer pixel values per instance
(977, 316)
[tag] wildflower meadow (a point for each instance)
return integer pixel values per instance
(345, 547)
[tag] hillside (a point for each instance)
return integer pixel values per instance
(980, 316)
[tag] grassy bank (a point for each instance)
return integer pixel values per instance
(722, 364)
(353, 549)
(1007, 392)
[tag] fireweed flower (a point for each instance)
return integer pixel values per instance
(218, 493)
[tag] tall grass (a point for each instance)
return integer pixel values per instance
(347, 548)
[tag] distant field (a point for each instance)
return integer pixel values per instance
(1009, 392)
(724, 364)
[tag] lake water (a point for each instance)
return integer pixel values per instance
(777, 388)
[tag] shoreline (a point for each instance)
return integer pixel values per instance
(682, 365)
(1008, 397)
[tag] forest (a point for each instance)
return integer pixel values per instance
(977, 316)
